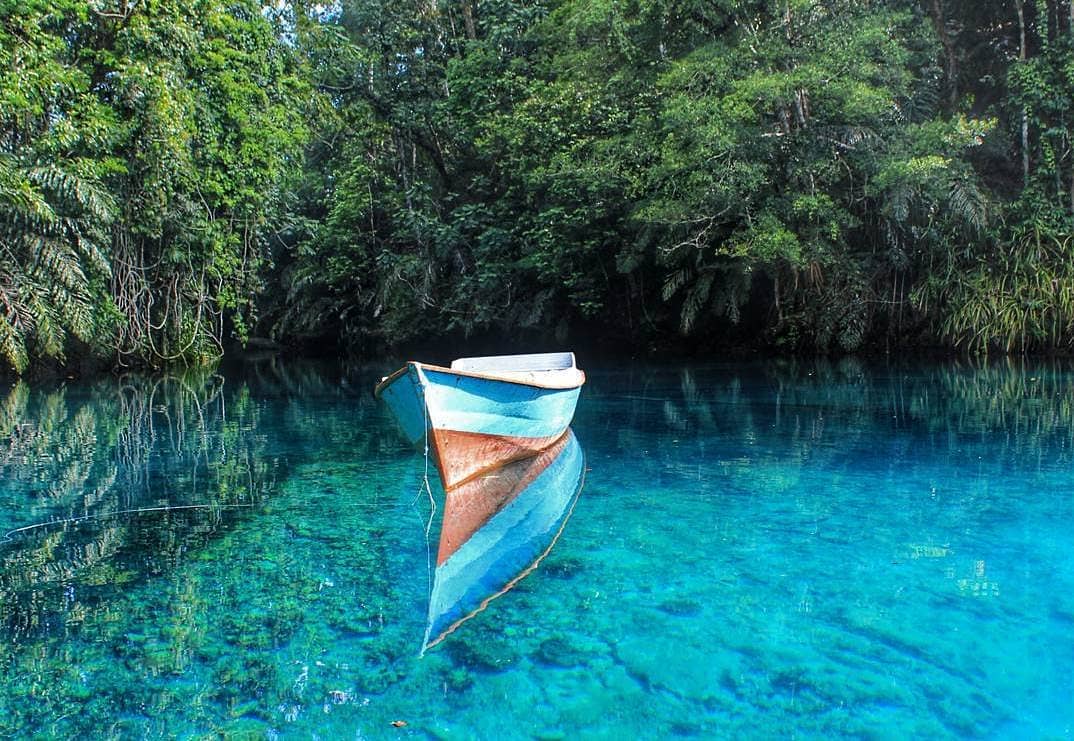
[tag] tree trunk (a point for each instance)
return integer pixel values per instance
(1019, 6)
(949, 54)
(800, 112)
(468, 19)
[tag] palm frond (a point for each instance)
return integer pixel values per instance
(676, 281)
(696, 299)
(968, 204)
(12, 345)
(53, 220)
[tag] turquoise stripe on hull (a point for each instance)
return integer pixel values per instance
(508, 545)
(479, 405)
(491, 407)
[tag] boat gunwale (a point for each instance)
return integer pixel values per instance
(387, 380)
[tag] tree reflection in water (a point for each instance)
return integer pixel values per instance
(112, 483)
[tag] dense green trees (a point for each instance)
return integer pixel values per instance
(54, 210)
(143, 151)
(1016, 292)
(216, 125)
(823, 175)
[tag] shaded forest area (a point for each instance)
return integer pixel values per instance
(178, 178)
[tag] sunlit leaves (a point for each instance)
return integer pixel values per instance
(150, 138)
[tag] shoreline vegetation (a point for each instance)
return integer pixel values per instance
(181, 179)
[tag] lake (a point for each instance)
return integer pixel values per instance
(768, 549)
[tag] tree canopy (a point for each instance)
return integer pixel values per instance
(822, 176)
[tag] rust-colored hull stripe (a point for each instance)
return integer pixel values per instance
(460, 456)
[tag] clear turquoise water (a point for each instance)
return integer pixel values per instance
(762, 550)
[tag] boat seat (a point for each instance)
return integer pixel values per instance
(502, 365)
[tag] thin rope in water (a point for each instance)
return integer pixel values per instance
(425, 476)
(103, 515)
(427, 488)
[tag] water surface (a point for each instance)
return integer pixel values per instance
(760, 550)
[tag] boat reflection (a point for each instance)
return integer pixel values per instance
(497, 528)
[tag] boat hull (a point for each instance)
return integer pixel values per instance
(474, 421)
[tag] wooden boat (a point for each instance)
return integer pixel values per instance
(498, 526)
(485, 411)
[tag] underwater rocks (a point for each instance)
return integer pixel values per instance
(568, 651)
(680, 607)
(484, 652)
(668, 664)
(560, 652)
(563, 567)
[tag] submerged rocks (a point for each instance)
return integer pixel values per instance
(486, 652)
(673, 665)
(680, 607)
(563, 567)
(568, 651)
(560, 652)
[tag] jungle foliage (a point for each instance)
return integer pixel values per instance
(821, 175)
(144, 150)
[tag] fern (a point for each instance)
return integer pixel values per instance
(676, 281)
(51, 219)
(696, 299)
(968, 204)
(48, 334)
(12, 345)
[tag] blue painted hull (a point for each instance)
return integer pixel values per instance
(404, 396)
(475, 421)
(493, 407)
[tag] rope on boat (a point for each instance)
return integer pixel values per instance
(425, 486)
(425, 476)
